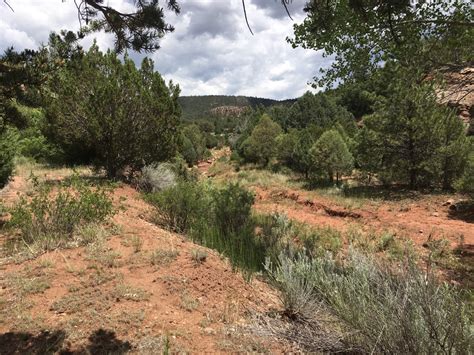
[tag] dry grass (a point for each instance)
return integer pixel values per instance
(131, 293)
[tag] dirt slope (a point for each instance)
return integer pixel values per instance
(114, 298)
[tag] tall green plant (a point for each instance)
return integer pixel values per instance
(112, 113)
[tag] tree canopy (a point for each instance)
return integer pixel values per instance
(364, 34)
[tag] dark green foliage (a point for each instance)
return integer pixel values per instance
(301, 158)
(130, 121)
(411, 139)
(199, 107)
(31, 141)
(364, 34)
(261, 146)
(465, 183)
(181, 206)
(453, 150)
(330, 156)
(233, 208)
(51, 216)
(286, 145)
(193, 146)
(8, 147)
(140, 29)
(216, 218)
(320, 110)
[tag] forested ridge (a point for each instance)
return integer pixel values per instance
(199, 106)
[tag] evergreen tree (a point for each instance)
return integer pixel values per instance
(261, 146)
(320, 110)
(305, 140)
(116, 115)
(331, 156)
(286, 144)
(8, 141)
(411, 139)
(465, 183)
(193, 148)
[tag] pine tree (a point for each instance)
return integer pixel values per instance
(411, 139)
(116, 115)
(261, 146)
(331, 156)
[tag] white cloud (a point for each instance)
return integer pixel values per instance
(211, 51)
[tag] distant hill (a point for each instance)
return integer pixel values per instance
(195, 107)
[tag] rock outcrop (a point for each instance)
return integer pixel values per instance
(458, 93)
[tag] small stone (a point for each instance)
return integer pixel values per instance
(435, 214)
(449, 202)
(209, 331)
(420, 231)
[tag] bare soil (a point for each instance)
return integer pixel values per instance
(117, 300)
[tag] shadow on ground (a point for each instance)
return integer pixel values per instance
(100, 342)
(463, 211)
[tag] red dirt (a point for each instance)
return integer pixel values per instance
(223, 299)
(414, 219)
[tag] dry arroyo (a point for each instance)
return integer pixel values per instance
(140, 290)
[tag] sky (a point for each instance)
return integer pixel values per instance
(211, 51)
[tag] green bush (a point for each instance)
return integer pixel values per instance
(52, 215)
(8, 144)
(180, 206)
(232, 208)
(130, 121)
(402, 311)
(465, 183)
(216, 218)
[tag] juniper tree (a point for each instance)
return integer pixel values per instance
(117, 115)
(261, 146)
(330, 155)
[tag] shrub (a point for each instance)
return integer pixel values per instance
(297, 293)
(130, 121)
(232, 208)
(216, 218)
(156, 177)
(51, 217)
(388, 311)
(465, 183)
(180, 206)
(7, 154)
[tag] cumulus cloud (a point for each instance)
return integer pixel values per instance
(210, 52)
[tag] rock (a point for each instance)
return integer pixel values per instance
(209, 331)
(449, 202)
(420, 231)
(435, 214)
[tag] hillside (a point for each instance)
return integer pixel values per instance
(195, 107)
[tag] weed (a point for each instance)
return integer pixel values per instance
(46, 263)
(137, 243)
(198, 255)
(99, 252)
(188, 302)
(49, 218)
(90, 233)
(25, 284)
(216, 218)
(131, 293)
(163, 256)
